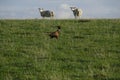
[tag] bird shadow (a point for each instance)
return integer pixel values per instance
(78, 37)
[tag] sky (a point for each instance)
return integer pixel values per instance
(28, 9)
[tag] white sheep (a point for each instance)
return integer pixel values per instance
(76, 12)
(46, 13)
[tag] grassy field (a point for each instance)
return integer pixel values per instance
(85, 50)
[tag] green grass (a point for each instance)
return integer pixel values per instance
(85, 50)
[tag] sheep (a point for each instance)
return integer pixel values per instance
(76, 12)
(56, 33)
(46, 13)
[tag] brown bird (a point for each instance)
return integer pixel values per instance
(56, 33)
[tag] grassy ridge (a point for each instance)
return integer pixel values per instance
(85, 50)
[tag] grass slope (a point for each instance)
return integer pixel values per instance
(85, 50)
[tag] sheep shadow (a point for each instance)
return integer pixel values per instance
(84, 20)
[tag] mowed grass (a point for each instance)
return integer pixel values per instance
(85, 50)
